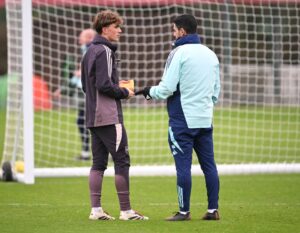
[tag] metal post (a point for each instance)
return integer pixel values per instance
(27, 74)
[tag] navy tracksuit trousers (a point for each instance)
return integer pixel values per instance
(84, 133)
(182, 141)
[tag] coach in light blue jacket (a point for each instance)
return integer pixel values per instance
(191, 85)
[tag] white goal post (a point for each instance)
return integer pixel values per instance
(256, 122)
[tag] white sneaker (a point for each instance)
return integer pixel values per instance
(100, 215)
(132, 215)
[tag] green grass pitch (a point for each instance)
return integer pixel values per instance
(241, 135)
(248, 204)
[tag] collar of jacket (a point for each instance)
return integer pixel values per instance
(101, 40)
(187, 39)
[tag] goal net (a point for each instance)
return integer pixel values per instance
(256, 122)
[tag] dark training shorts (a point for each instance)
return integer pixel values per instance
(109, 139)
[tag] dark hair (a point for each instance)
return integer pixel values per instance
(187, 22)
(106, 18)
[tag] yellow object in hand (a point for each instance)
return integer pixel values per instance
(129, 84)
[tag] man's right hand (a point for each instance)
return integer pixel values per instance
(145, 92)
(131, 93)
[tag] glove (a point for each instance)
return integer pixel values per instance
(145, 92)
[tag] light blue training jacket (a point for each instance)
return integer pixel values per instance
(191, 85)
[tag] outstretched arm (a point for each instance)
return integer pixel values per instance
(169, 82)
